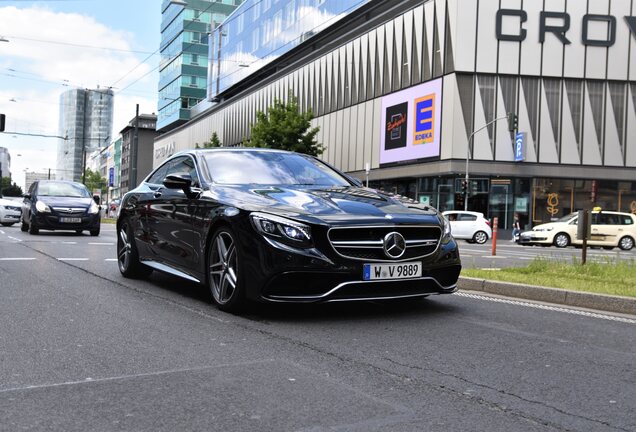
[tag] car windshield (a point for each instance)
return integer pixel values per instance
(270, 168)
(567, 218)
(74, 190)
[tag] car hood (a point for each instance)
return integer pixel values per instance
(10, 203)
(58, 201)
(546, 227)
(329, 205)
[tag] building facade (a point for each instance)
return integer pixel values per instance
(5, 162)
(31, 177)
(86, 121)
(183, 71)
(137, 153)
(402, 86)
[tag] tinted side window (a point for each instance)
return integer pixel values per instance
(466, 218)
(159, 175)
(608, 219)
(184, 165)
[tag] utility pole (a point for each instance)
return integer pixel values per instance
(132, 182)
(84, 138)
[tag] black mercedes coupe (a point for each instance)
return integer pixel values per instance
(275, 226)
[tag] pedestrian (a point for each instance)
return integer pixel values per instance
(516, 227)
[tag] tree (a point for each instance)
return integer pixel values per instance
(212, 143)
(285, 127)
(93, 180)
(9, 189)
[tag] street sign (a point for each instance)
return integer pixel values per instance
(111, 176)
(520, 144)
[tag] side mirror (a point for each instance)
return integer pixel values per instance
(96, 199)
(181, 181)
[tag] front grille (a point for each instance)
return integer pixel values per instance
(69, 211)
(367, 243)
(16, 209)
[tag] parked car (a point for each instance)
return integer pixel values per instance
(470, 226)
(609, 230)
(9, 212)
(275, 226)
(60, 205)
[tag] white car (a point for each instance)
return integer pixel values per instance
(10, 212)
(470, 226)
(609, 230)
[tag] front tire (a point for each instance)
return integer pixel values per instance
(33, 229)
(480, 237)
(127, 254)
(24, 227)
(626, 243)
(95, 232)
(224, 278)
(562, 240)
(7, 224)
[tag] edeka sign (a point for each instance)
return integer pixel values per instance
(558, 24)
(411, 123)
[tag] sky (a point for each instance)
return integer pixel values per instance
(57, 45)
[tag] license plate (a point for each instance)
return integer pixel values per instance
(70, 220)
(392, 271)
(13, 216)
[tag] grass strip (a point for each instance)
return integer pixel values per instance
(595, 277)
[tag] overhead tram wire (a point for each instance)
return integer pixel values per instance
(79, 45)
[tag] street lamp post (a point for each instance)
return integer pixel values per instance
(470, 143)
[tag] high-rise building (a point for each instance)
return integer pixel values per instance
(137, 154)
(31, 177)
(183, 71)
(86, 121)
(5, 163)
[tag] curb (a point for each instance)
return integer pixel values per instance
(607, 303)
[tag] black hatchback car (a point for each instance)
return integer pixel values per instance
(275, 226)
(60, 205)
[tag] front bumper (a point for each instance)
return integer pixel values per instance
(535, 238)
(52, 221)
(10, 216)
(280, 276)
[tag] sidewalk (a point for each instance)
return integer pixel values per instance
(623, 305)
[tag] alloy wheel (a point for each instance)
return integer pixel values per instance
(626, 243)
(123, 249)
(561, 240)
(223, 268)
(480, 237)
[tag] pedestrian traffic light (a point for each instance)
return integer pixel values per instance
(2, 119)
(513, 122)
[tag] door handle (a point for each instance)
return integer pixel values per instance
(157, 194)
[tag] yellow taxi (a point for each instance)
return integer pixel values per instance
(609, 230)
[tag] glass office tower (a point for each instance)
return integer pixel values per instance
(185, 26)
(86, 120)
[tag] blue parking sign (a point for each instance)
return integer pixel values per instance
(520, 143)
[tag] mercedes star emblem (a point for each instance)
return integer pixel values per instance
(394, 245)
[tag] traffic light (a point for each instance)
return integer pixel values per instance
(513, 122)
(464, 188)
(2, 118)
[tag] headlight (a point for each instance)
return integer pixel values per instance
(446, 228)
(282, 229)
(94, 208)
(42, 208)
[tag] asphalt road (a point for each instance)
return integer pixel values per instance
(83, 349)
(510, 254)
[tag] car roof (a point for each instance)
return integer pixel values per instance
(464, 212)
(231, 149)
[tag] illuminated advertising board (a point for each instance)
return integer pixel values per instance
(411, 123)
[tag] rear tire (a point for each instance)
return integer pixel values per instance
(225, 280)
(127, 255)
(480, 237)
(626, 243)
(24, 227)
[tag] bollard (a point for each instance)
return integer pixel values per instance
(495, 224)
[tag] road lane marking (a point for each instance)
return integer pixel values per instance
(102, 244)
(110, 259)
(18, 259)
(494, 256)
(1, 232)
(72, 259)
(548, 308)
(16, 239)
(68, 242)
